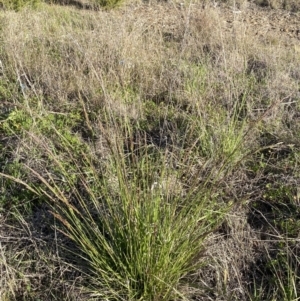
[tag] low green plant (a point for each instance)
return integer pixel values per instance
(20, 124)
(18, 4)
(16, 122)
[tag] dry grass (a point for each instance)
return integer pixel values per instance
(217, 99)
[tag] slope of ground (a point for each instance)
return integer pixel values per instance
(212, 88)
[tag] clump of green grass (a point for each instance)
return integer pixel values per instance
(138, 238)
(138, 235)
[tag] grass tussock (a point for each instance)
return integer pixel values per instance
(147, 153)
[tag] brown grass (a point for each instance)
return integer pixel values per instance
(158, 67)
